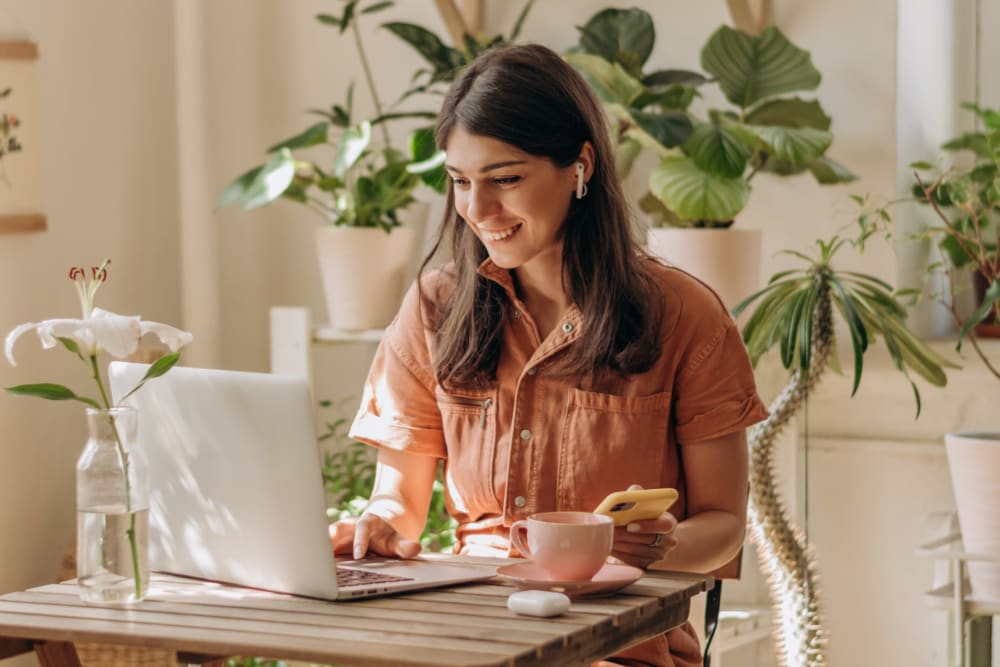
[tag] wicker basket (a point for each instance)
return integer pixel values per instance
(114, 655)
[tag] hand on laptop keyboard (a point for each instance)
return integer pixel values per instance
(370, 533)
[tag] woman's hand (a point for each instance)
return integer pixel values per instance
(369, 532)
(642, 543)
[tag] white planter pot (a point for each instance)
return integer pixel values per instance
(974, 461)
(727, 260)
(363, 270)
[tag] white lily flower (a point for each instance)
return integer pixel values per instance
(118, 335)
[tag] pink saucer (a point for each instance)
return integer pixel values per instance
(608, 579)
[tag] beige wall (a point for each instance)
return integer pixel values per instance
(110, 174)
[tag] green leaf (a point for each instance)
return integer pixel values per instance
(271, 181)
(920, 165)
(70, 345)
(352, 144)
(236, 191)
(442, 58)
(609, 80)
(972, 141)
(670, 128)
(666, 78)
(377, 7)
(161, 366)
(52, 392)
(716, 150)
(622, 35)
(990, 298)
(796, 145)
(750, 68)
(791, 112)
(828, 172)
(516, 29)
(328, 19)
(313, 136)
(695, 194)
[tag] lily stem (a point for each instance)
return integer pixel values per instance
(126, 465)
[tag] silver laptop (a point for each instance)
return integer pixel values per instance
(236, 490)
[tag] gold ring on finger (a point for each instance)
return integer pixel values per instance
(657, 541)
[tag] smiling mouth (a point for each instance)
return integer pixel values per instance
(501, 235)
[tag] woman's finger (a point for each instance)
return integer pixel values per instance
(342, 535)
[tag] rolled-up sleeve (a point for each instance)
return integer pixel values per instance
(716, 392)
(398, 407)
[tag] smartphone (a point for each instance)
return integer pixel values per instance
(627, 506)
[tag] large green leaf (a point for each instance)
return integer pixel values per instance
(789, 112)
(827, 171)
(716, 150)
(353, 143)
(625, 36)
(313, 136)
(670, 128)
(271, 181)
(750, 69)
(609, 80)
(695, 194)
(442, 58)
(798, 145)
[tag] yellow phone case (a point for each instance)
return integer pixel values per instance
(627, 506)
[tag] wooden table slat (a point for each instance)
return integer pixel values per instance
(520, 630)
(211, 641)
(236, 627)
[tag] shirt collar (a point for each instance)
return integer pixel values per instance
(503, 277)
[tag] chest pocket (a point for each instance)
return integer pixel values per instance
(608, 443)
(468, 420)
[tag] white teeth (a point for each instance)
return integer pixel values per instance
(500, 236)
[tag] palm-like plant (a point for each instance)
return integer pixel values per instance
(795, 311)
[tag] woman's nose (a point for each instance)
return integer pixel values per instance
(481, 205)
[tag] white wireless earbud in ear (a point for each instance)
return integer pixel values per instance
(581, 187)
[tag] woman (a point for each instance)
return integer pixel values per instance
(552, 362)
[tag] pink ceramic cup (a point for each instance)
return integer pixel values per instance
(567, 546)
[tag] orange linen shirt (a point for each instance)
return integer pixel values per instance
(538, 441)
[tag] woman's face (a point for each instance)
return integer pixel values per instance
(514, 202)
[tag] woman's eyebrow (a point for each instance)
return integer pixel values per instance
(489, 167)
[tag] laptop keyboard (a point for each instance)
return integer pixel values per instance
(350, 577)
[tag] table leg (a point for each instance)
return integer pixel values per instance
(56, 654)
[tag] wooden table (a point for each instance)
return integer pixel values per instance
(459, 625)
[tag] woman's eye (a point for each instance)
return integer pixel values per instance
(507, 180)
(459, 182)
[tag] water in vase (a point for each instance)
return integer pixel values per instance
(112, 554)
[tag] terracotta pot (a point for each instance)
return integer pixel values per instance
(988, 328)
(363, 270)
(974, 461)
(728, 260)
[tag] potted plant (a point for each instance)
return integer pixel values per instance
(366, 183)
(360, 190)
(795, 312)
(964, 193)
(707, 163)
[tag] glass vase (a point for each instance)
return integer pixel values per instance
(112, 500)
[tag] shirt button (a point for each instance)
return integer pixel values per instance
(532, 370)
(520, 501)
(567, 327)
(525, 434)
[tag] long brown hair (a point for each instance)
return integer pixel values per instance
(529, 97)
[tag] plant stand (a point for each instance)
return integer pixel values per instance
(971, 619)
